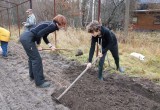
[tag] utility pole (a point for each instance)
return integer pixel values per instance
(30, 2)
(99, 20)
(126, 19)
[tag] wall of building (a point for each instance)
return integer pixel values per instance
(146, 21)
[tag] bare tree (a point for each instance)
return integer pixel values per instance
(93, 8)
(116, 6)
(88, 11)
(126, 19)
(78, 12)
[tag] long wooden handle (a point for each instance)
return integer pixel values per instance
(57, 49)
(76, 80)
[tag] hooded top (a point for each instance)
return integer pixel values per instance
(107, 39)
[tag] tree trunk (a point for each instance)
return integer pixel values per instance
(80, 12)
(126, 19)
(93, 12)
(89, 6)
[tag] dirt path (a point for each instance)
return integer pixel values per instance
(17, 92)
(116, 92)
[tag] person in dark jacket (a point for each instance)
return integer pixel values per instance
(28, 40)
(107, 40)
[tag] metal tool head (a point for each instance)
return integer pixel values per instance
(79, 52)
(55, 99)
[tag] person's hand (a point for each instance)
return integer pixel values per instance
(100, 54)
(89, 65)
(53, 48)
(40, 48)
(23, 23)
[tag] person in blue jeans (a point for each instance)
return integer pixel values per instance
(4, 46)
(28, 40)
(4, 39)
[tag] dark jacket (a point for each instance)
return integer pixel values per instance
(43, 29)
(108, 40)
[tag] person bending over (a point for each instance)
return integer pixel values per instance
(107, 40)
(28, 40)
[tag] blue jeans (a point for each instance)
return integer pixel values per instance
(4, 46)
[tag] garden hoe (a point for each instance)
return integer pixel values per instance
(57, 49)
(78, 52)
(57, 99)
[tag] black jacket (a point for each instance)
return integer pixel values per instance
(43, 29)
(108, 40)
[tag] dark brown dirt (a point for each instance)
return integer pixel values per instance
(116, 92)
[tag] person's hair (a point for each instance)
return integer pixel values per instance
(93, 26)
(29, 10)
(60, 20)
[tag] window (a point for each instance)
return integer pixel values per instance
(157, 19)
(134, 20)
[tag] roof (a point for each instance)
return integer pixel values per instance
(144, 11)
(148, 1)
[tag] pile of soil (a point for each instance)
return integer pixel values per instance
(116, 92)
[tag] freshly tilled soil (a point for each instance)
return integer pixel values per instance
(116, 92)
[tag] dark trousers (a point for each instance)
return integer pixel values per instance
(4, 46)
(114, 52)
(34, 61)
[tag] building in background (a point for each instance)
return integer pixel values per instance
(147, 15)
(146, 19)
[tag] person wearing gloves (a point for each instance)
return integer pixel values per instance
(28, 40)
(4, 39)
(30, 22)
(107, 40)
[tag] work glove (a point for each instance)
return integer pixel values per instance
(53, 48)
(89, 65)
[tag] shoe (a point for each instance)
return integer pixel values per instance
(121, 70)
(31, 79)
(44, 85)
(5, 57)
(101, 78)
